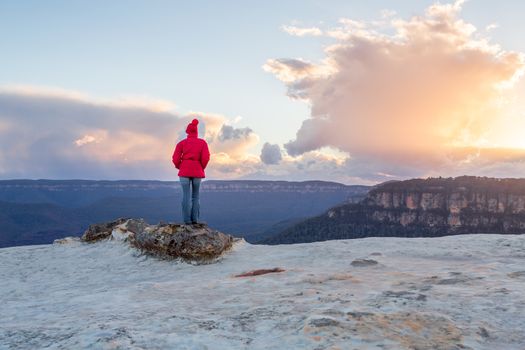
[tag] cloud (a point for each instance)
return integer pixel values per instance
(386, 13)
(55, 133)
(66, 134)
(297, 31)
(271, 154)
(85, 140)
(227, 166)
(491, 26)
(314, 165)
(292, 70)
(228, 132)
(408, 98)
(128, 101)
(236, 142)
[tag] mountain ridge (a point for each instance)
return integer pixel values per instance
(247, 208)
(420, 208)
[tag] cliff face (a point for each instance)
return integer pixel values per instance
(422, 208)
(462, 204)
(453, 202)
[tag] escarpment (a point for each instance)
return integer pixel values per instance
(421, 208)
(462, 205)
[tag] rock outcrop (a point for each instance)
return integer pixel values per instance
(421, 208)
(462, 205)
(196, 242)
(97, 232)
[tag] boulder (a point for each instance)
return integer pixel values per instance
(197, 242)
(191, 242)
(128, 228)
(96, 232)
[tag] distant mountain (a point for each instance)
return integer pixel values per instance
(38, 223)
(78, 193)
(39, 211)
(420, 208)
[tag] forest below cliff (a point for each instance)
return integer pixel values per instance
(420, 208)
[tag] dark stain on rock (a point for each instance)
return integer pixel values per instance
(260, 272)
(363, 262)
(323, 322)
(483, 332)
(404, 294)
(358, 314)
(457, 279)
(516, 274)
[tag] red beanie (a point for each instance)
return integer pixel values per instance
(192, 127)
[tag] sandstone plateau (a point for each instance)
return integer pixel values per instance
(456, 292)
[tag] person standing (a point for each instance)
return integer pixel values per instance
(191, 156)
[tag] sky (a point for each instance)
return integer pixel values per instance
(349, 91)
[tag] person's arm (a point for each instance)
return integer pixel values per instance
(177, 155)
(205, 155)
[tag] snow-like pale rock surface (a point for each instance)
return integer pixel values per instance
(456, 292)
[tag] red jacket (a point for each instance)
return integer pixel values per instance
(191, 156)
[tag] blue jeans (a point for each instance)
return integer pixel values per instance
(190, 211)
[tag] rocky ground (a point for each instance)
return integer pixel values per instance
(457, 292)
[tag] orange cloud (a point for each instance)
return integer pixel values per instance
(61, 134)
(416, 97)
(55, 133)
